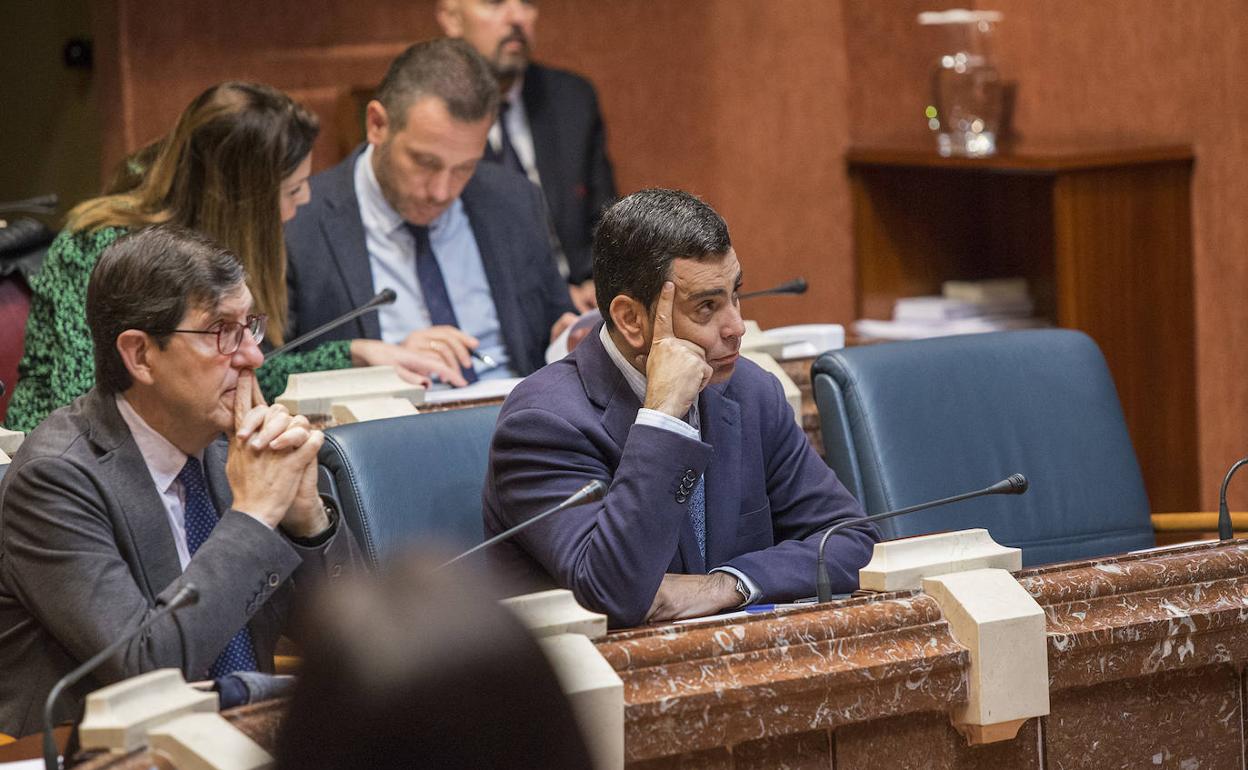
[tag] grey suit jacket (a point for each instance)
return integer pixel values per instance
(329, 272)
(86, 554)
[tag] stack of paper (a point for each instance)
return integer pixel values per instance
(963, 307)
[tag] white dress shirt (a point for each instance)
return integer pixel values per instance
(518, 131)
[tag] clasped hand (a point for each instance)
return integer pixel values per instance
(271, 465)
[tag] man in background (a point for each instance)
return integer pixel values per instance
(464, 245)
(549, 128)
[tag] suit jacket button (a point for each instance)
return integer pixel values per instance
(274, 580)
(681, 497)
(689, 477)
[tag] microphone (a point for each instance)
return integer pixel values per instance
(1225, 530)
(384, 297)
(1015, 484)
(185, 597)
(42, 204)
(591, 492)
(795, 286)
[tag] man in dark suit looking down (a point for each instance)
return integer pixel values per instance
(549, 128)
(463, 245)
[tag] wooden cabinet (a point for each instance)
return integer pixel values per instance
(1105, 239)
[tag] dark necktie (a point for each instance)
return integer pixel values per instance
(697, 514)
(201, 517)
(433, 287)
(506, 153)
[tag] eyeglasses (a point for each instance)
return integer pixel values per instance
(229, 333)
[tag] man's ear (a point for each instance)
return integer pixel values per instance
(632, 320)
(449, 18)
(376, 123)
(135, 348)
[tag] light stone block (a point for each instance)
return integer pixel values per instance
(898, 565)
(10, 440)
(316, 392)
(207, 742)
(754, 341)
(547, 613)
(118, 717)
(1003, 627)
(596, 694)
(792, 393)
(362, 409)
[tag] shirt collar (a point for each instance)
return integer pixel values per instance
(637, 380)
(376, 212)
(164, 460)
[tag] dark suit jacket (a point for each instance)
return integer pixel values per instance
(570, 145)
(329, 270)
(768, 495)
(86, 553)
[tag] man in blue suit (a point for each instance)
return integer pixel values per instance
(465, 247)
(716, 499)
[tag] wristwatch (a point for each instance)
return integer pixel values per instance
(743, 591)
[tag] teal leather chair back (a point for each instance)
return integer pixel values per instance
(408, 480)
(907, 422)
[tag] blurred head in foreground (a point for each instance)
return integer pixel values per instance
(411, 667)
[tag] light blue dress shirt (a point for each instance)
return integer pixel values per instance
(392, 259)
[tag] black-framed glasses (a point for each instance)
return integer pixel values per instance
(229, 333)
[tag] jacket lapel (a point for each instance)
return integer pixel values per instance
(343, 230)
(123, 472)
(721, 428)
(609, 391)
(511, 318)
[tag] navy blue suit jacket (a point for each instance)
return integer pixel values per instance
(768, 495)
(328, 270)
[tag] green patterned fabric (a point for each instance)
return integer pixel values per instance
(58, 364)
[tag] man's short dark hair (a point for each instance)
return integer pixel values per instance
(451, 70)
(640, 236)
(148, 281)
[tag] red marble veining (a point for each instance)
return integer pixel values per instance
(691, 688)
(922, 741)
(1179, 719)
(1137, 615)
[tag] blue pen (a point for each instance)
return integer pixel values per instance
(757, 608)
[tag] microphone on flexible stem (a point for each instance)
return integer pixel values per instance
(185, 597)
(1015, 484)
(384, 297)
(795, 286)
(1225, 530)
(591, 492)
(43, 204)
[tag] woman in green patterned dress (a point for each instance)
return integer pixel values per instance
(235, 167)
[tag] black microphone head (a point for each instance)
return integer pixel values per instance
(1014, 484)
(594, 491)
(185, 597)
(386, 296)
(799, 285)
(1018, 483)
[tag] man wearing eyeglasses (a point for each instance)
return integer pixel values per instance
(170, 471)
